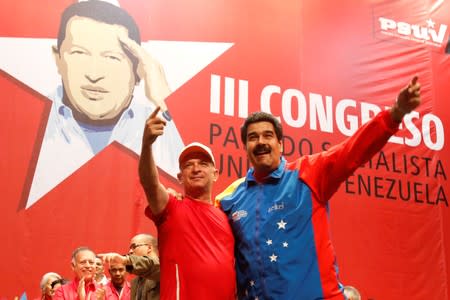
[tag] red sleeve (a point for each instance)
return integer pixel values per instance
(161, 217)
(325, 171)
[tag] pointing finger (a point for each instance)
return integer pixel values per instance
(414, 86)
(155, 112)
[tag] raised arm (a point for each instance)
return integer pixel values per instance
(407, 100)
(156, 193)
(343, 159)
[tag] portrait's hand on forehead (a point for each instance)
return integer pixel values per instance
(149, 70)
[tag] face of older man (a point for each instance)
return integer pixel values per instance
(97, 74)
(84, 265)
(140, 246)
(197, 174)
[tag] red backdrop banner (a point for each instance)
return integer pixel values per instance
(324, 68)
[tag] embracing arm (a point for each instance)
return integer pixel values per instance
(156, 193)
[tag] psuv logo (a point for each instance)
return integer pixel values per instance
(431, 34)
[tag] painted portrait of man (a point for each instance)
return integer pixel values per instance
(107, 85)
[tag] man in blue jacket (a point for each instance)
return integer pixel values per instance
(278, 212)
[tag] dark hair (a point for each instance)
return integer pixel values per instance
(61, 281)
(104, 12)
(100, 11)
(261, 117)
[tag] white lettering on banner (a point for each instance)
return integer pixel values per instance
(427, 35)
(348, 114)
(352, 121)
(286, 105)
(229, 90)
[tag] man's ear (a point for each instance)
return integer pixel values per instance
(180, 178)
(57, 58)
(216, 175)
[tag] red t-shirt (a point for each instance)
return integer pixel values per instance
(112, 294)
(196, 248)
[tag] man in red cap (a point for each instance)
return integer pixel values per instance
(196, 244)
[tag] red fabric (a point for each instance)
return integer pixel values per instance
(359, 148)
(70, 291)
(112, 294)
(196, 248)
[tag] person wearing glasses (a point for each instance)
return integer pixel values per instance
(195, 239)
(50, 282)
(83, 286)
(142, 260)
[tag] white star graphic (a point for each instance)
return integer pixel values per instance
(273, 257)
(282, 224)
(269, 242)
(252, 283)
(285, 244)
(430, 23)
(36, 68)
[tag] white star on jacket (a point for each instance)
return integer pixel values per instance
(281, 224)
(273, 257)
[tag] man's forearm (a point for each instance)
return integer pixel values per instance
(149, 177)
(148, 172)
(143, 266)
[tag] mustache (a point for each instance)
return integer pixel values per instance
(262, 148)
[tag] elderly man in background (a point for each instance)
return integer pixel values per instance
(83, 286)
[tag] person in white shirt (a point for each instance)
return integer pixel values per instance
(100, 60)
